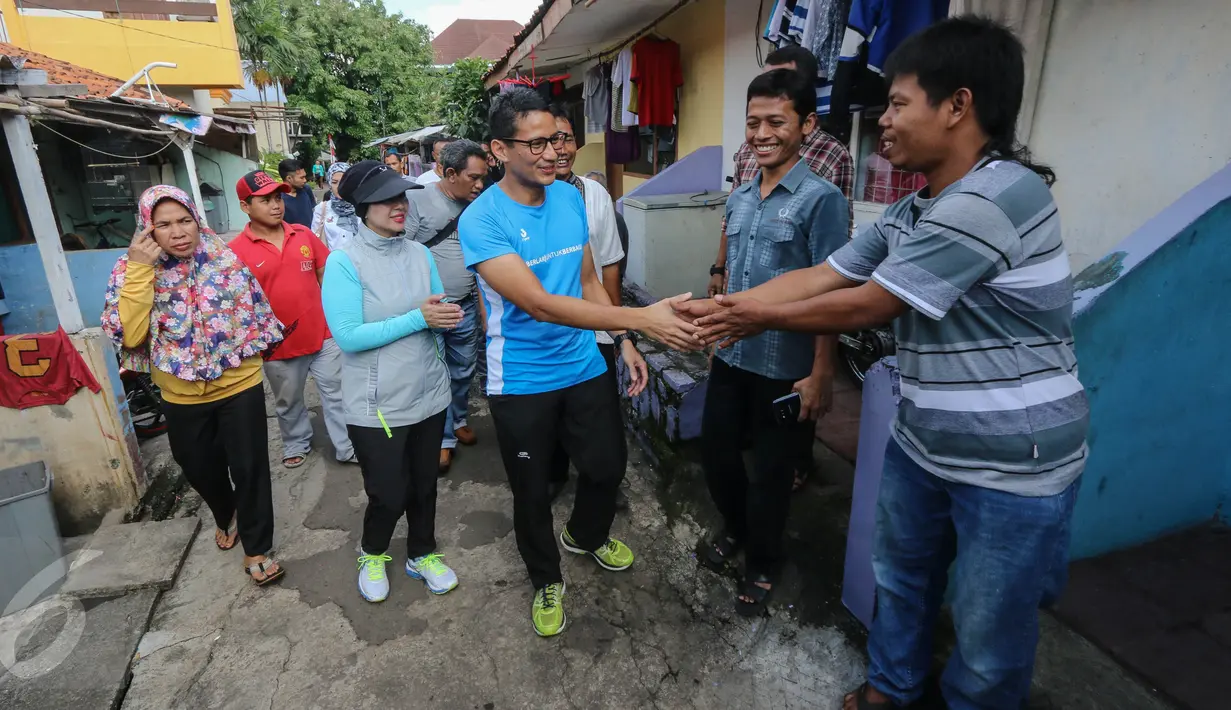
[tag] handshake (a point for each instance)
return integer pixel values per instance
(687, 324)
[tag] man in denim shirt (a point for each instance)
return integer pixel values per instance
(784, 219)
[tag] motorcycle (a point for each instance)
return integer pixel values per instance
(863, 349)
(144, 404)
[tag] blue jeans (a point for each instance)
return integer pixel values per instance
(460, 348)
(1010, 556)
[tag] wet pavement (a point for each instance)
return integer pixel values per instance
(660, 635)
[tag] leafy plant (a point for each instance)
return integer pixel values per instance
(365, 73)
(465, 101)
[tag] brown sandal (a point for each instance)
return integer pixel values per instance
(262, 568)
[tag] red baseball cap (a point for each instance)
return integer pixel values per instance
(258, 182)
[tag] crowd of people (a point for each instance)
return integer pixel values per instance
(388, 292)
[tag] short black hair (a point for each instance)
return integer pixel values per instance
(983, 56)
(786, 84)
(509, 107)
(458, 153)
(290, 166)
(804, 61)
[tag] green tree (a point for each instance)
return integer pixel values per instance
(366, 74)
(271, 47)
(465, 101)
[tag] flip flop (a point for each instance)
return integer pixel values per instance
(303, 458)
(716, 554)
(760, 597)
(261, 568)
(226, 533)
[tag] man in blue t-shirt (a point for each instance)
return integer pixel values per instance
(527, 239)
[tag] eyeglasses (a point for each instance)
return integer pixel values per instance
(538, 145)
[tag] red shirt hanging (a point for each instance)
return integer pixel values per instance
(288, 278)
(657, 73)
(41, 368)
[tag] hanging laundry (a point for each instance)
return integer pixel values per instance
(621, 78)
(830, 27)
(657, 75)
(597, 98)
(874, 28)
(775, 21)
(617, 100)
(622, 146)
(802, 26)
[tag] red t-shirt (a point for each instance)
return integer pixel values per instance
(288, 278)
(657, 73)
(41, 368)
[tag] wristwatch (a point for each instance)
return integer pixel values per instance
(717, 270)
(627, 335)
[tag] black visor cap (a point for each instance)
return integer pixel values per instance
(369, 182)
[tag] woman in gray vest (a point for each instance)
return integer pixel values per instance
(382, 298)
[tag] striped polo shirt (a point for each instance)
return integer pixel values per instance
(990, 395)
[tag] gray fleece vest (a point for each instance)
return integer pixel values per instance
(405, 381)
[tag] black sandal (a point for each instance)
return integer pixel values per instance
(717, 554)
(760, 596)
(231, 530)
(862, 702)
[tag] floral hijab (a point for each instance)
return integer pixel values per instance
(209, 313)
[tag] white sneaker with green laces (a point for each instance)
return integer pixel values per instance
(434, 573)
(373, 582)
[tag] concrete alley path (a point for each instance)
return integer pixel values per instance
(660, 635)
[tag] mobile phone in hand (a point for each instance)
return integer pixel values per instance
(786, 409)
(448, 299)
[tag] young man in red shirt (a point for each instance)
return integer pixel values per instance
(288, 261)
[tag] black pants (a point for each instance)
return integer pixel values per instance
(560, 460)
(754, 505)
(585, 418)
(399, 476)
(221, 443)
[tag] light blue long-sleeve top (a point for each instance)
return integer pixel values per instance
(342, 298)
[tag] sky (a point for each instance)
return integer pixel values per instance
(439, 14)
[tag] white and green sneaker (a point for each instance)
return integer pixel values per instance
(432, 570)
(548, 610)
(373, 582)
(613, 554)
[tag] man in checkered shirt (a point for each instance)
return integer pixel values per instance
(785, 218)
(824, 155)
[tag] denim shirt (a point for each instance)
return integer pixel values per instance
(802, 222)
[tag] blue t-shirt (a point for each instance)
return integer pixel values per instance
(298, 209)
(525, 356)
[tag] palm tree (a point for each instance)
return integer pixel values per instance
(271, 47)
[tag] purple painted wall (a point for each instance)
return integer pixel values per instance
(699, 171)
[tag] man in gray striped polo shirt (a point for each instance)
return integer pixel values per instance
(990, 439)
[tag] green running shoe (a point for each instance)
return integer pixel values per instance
(613, 555)
(548, 610)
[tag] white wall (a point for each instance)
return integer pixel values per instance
(739, 69)
(1133, 111)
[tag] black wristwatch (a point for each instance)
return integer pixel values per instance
(627, 335)
(717, 270)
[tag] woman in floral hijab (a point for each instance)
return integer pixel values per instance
(181, 306)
